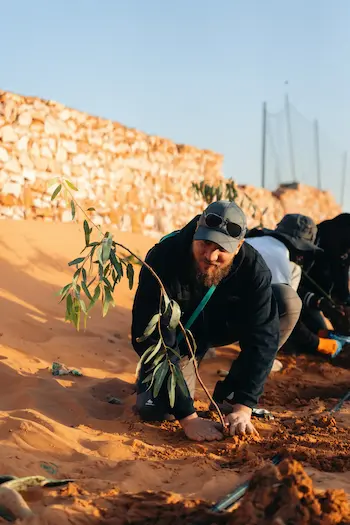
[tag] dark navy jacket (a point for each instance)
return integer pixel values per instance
(243, 299)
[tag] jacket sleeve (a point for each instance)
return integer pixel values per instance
(340, 290)
(259, 340)
(310, 299)
(146, 305)
(335, 282)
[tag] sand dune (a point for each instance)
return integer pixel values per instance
(65, 428)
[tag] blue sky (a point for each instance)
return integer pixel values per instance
(195, 71)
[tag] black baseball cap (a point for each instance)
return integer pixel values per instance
(224, 223)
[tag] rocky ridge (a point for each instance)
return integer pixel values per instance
(138, 182)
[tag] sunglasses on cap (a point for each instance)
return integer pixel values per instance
(212, 220)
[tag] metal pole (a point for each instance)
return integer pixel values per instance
(343, 184)
(263, 145)
(317, 154)
(290, 138)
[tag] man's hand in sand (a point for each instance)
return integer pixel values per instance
(198, 429)
(239, 421)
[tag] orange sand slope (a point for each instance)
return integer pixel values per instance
(66, 428)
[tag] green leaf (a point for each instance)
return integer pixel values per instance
(100, 271)
(171, 388)
(115, 278)
(76, 275)
(77, 320)
(87, 232)
(160, 376)
(56, 192)
(63, 291)
(86, 291)
(75, 315)
(71, 185)
(149, 328)
(83, 307)
(84, 276)
(158, 359)
(166, 302)
(147, 379)
(76, 289)
(175, 352)
(108, 300)
(91, 209)
(154, 352)
(153, 376)
(141, 360)
(175, 315)
(95, 296)
(69, 307)
(91, 256)
(180, 381)
(108, 284)
(106, 248)
(72, 206)
(130, 275)
(116, 263)
(76, 261)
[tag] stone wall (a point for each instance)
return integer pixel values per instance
(138, 182)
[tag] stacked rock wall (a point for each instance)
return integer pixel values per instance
(138, 182)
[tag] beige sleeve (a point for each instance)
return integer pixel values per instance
(296, 275)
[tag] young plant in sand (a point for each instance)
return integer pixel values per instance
(228, 191)
(97, 272)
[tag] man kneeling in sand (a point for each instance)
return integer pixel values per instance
(210, 253)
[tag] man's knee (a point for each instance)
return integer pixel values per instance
(150, 409)
(288, 301)
(289, 307)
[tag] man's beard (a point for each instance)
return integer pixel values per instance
(214, 277)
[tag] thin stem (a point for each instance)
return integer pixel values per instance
(199, 377)
(82, 209)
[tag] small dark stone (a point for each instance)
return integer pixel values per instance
(114, 400)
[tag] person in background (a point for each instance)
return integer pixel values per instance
(324, 289)
(286, 249)
(210, 252)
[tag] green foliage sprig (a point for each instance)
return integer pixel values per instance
(228, 191)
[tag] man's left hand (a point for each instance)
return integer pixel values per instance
(239, 421)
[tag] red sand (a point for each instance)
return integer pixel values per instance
(67, 427)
